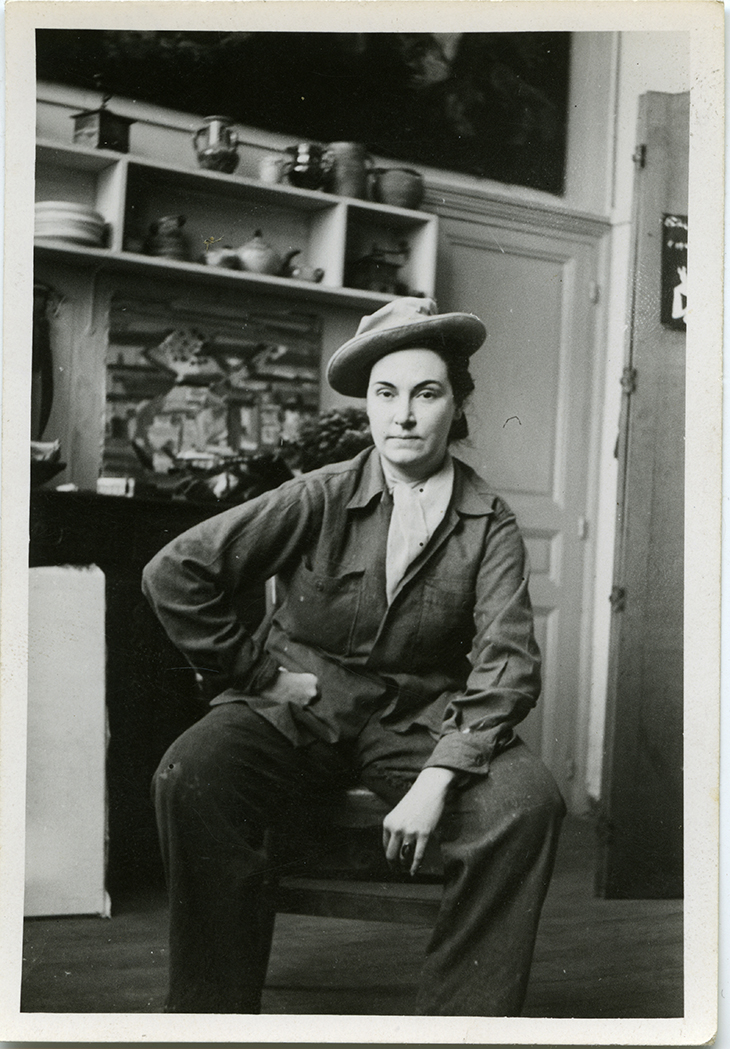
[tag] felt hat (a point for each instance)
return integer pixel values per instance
(405, 323)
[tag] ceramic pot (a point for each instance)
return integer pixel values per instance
(166, 238)
(401, 187)
(216, 145)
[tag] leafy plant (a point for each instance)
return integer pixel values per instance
(335, 435)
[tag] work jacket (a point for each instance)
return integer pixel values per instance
(454, 651)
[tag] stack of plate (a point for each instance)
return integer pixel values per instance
(64, 220)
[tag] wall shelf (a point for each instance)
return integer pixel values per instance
(330, 232)
(109, 261)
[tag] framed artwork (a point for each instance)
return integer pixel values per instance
(201, 388)
(492, 105)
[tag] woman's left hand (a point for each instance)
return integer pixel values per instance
(408, 827)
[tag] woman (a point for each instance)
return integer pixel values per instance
(401, 654)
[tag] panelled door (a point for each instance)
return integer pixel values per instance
(531, 435)
(642, 795)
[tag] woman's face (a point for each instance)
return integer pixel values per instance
(410, 405)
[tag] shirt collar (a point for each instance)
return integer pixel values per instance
(435, 483)
(472, 495)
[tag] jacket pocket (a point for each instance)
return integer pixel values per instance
(447, 626)
(321, 609)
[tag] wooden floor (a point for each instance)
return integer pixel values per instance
(594, 958)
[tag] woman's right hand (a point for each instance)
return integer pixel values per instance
(292, 688)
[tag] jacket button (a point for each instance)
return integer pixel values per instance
(320, 587)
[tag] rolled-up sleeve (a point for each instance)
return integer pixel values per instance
(504, 682)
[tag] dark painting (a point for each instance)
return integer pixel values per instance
(488, 104)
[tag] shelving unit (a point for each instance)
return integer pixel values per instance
(330, 232)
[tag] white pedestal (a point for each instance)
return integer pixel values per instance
(66, 787)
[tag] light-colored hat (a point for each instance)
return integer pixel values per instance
(405, 323)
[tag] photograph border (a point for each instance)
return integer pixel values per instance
(703, 19)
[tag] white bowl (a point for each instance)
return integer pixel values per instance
(68, 208)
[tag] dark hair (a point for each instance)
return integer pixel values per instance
(462, 385)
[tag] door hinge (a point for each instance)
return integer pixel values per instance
(594, 291)
(618, 598)
(639, 156)
(582, 527)
(628, 380)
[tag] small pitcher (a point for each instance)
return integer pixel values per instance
(272, 168)
(216, 145)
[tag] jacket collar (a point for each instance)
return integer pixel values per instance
(371, 481)
(472, 496)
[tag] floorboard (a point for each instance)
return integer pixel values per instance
(594, 958)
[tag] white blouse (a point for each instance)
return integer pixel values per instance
(418, 509)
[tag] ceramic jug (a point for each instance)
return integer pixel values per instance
(349, 163)
(216, 145)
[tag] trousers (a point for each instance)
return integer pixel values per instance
(232, 776)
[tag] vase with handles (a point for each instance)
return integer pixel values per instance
(349, 163)
(216, 145)
(400, 187)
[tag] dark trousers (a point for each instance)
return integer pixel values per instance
(232, 776)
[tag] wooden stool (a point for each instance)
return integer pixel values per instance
(348, 876)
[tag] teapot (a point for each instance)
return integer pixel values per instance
(257, 256)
